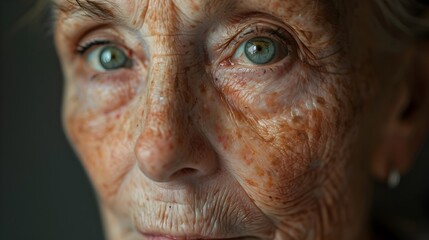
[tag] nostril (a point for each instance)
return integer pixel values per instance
(184, 172)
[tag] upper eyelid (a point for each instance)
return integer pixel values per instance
(98, 33)
(278, 33)
(84, 47)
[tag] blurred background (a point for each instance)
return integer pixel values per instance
(45, 193)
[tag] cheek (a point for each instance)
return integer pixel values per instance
(103, 147)
(283, 138)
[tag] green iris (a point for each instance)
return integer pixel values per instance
(111, 58)
(260, 50)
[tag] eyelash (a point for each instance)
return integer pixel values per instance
(83, 48)
(278, 33)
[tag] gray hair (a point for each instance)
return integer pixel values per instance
(407, 17)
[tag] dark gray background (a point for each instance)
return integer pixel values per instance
(45, 193)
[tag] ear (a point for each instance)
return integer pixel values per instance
(407, 125)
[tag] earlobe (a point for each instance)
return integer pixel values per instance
(408, 122)
(390, 153)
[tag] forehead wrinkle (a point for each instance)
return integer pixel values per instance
(139, 10)
(161, 18)
(179, 16)
(216, 6)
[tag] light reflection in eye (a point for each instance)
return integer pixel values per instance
(108, 58)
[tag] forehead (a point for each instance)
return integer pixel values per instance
(135, 12)
(189, 4)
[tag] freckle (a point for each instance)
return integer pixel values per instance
(180, 141)
(251, 182)
(247, 160)
(239, 136)
(99, 151)
(270, 182)
(195, 7)
(170, 146)
(271, 100)
(276, 162)
(203, 88)
(260, 171)
(109, 129)
(276, 5)
(225, 146)
(320, 101)
(224, 141)
(297, 119)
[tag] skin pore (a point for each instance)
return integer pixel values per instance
(190, 139)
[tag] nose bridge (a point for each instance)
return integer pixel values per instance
(162, 143)
(165, 107)
(163, 91)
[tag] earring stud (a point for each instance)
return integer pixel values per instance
(393, 179)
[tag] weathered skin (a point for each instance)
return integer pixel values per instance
(190, 142)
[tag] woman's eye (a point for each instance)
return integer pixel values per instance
(260, 51)
(108, 58)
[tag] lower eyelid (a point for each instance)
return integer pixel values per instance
(106, 92)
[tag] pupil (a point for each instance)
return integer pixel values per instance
(260, 50)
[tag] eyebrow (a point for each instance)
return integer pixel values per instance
(105, 11)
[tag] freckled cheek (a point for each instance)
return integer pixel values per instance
(270, 158)
(259, 92)
(102, 148)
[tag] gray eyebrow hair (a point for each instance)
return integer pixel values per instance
(104, 11)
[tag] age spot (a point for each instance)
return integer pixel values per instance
(321, 101)
(259, 171)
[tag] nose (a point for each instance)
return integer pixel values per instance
(170, 146)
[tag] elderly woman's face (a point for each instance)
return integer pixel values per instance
(218, 119)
